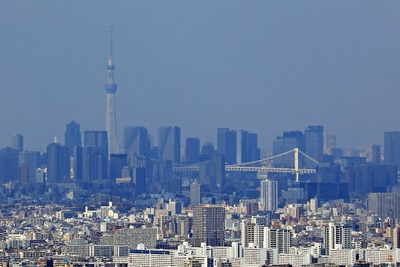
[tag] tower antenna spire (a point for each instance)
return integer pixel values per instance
(111, 41)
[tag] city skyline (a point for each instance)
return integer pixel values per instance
(188, 65)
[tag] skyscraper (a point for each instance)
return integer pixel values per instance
(139, 180)
(289, 140)
(17, 142)
(392, 148)
(72, 136)
(376, 154)
(329, 143)
(111, 88)
(96, 139)
(208, 225)
(192, 150)
(58, 163)
(78, 164)
(8, 165)
(117, 163)
(30, 161)
(253, 152)
(269, 195)
(207, 150)
(91, 161)
(241, 146)
(195, 193)
(226, 144)
(94, 164)
(385, 204)
(136, 143)
(212, 171)
(314, 143)
(169, 144)
(246, 147)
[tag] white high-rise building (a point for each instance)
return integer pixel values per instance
(247, 234)
(336, 236)
(111, 88)
(252, 233)
(269, 195)
(280, 239)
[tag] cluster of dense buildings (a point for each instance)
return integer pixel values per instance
(79, 169)
(94, 203)
(169, 234)
(133, 209)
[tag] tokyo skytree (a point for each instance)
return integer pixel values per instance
(111, 88)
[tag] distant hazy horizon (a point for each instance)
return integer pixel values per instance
(261, 66)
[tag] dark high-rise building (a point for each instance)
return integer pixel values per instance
(174, 185)
(208, 225)
(169, 144)
(311, 143)
(17, 142)
(139, 179)
(148, 164)
(212, 171)
(8, 165)
(385, 204)
(94, 164)
(192, 150)
(376, 154)
(58, 163)
(96, 139)
(314, 142)
(23, 176)
(328, 183)
(365, 178)
(117, 163)
(93, 160)
(162, 172)
(78, 168)
(72, 136)
(29, 161)
(136, 143)
(207, 150)
(247, 149)
(392, 148)
(253, 152)
(226, 144)
(289, 140)
(195, 191)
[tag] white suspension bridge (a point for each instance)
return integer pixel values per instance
(264, 168)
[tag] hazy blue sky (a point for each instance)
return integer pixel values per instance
(263, 66)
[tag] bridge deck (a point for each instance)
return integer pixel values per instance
(248, 169)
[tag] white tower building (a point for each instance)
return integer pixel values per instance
(269, 195)
(336, 236)
(111, 88)
(280, 239)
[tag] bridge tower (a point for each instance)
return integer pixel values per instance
(296, 163)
